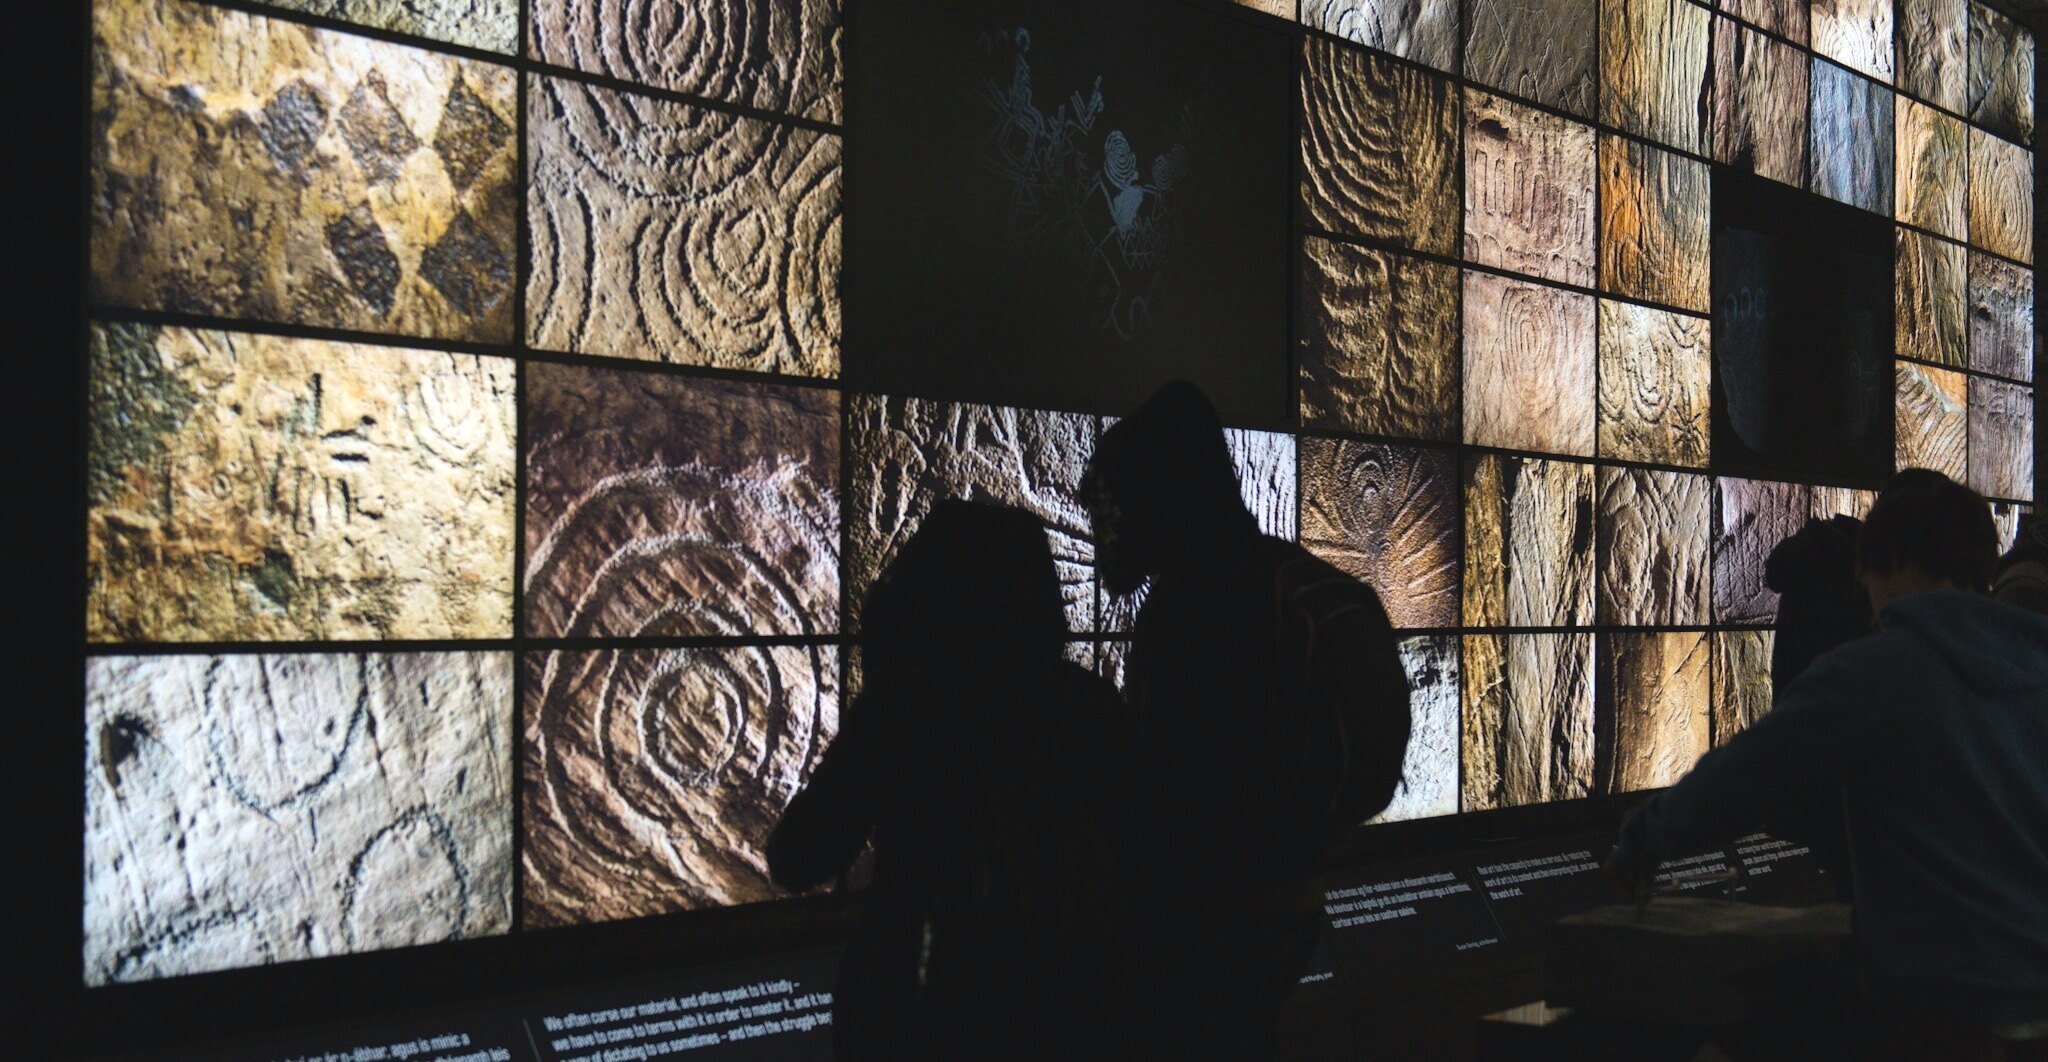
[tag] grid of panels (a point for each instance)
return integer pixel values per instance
(470, 502)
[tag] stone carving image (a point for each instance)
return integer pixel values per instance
(777, 55)
(1933, 417)
(1931, 165)
(1751, 517)
(1742, 680)
(1655, 385)
(1759, 99)
(1429, 769)
(2001, 74)
(492, 25)
(1934, 40)
(251, 809)
(1653, 67)
(1654, 225)
(2001, 196)
(1425, 31)
(1850, 147)
(1528, 190)
(1387, 515)
(1655, 530)
(1529, 529)
(1528, 719)
(1530, 359)
(1543, 50)
(255, 487)
(1856, 34)
(1378, 342)
(2001, 317)
(2001, 439)
(251, 167)
(1378, 149)
(1929, 300)
(1657, 688)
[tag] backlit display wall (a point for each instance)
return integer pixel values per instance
(499, 409)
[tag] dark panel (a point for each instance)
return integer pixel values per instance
(1759, 106)
(1378, 342)
(1543, 50)
(778, 55)
(1528, 542)
(1654, 690)
(1528, 190)
(1933, 55)
(1655, 532)
(1856, 34)
(1751, 517)
(2001, 439)
(1931, 148)
(2001, 198)
(1529, 366)
(1742, 680)
(1933, 420)
(2001, 317)
(1654, 224)
(1528, 719)
(1929, 293)
(1379, 149)
(1653, 67)
(1425, 31)
(1388, 515)
(1850, 150)
(2001, 80)
(1655, 385)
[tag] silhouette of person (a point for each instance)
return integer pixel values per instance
(1272, 711)
(989, 773)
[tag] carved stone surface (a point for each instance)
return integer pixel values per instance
(777, 55)
(2001, 197)
(1528, 719)
(254, 487)
(1378, 337)
(1750, 518)
(1425, 31)
(2006, 517)
(669, 506)
(907, 453)
(1112, 659)
(492, 25)
(651, 778)
(1657, 687)
(674, 233)
(1388, 515)
(1528, 542)
(249, 809)
(1379, 149)
(1849, 156)
(1653, 67)
(1267, 479)
(1541, 50)
(1282, 8)
(251, 167)
(1655, 379)
(1933, 420)
(1528, 190)
(2001, 78)
(1933, 60)
(1856, 34)
(1786, 18)
(1841, 501)
(1429, 768)
(1742, 680)
(1655, 224)
(2001, 439)
(1931, 148)
(1529, 366)
(1655, 531)
(1928, 318)
(1759, 105)
(2001, 317)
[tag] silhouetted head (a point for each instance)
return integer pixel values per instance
(1161, 483)
(1926, 532)
(973, 587)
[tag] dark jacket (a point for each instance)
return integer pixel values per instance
(2023, 573)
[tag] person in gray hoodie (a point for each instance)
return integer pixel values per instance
(1933, 734)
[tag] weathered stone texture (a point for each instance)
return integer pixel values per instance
(1378, 337)
(1655, 225)
(1425, 31)
(2006, 517)
(256, 487)
(2001, 78)
(674, 233)
(250, 809)
(1786, 18)
(1429, 768)
(669, 506)
(1928, 310)
(1931, 150)
(1267, 479)
(1529, 530)
(1841, 501)
(1850, 147)
(1933, 420)
(1742, 680)
(2001, 196)
(1541, 50)
(1751, 517)
(1933, 60)
(777, 55)
(1759, 104)
(1856, 34)
(2001, 439)
(251, 167)
(492, 25)
(652, 777)
(1388, 515)
(1653, 67)
(1656, 536)
(2001, 317)
(1528, 719)
(1529, 366)
(1281, 8)
(1657, 688)
(1528, 190)
(1655, 376)
(1379, 149)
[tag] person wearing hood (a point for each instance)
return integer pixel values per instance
(1934, 732)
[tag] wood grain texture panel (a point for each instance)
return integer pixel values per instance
(256, 168)
(1760, 95)
(1542, 50)
(663, 232)
(1379, 149)
(2000, 93)
(1750, 518)
(1389, 516)
(1429, 767)
(2001, 197)
(1655, 385)
(2001, 317)
(1855, 33)
(1742, 680)
(1655, 544)
(1849, 149)
(1841, 501)
(1378, 342)
(1933, 51)
(1653, 68)
(1928, 318)
(2001, 439)
(1655, 690)
(777, 55)
(669, 506)
(1528, 719)
(1655, 224)
(1528, 190)
(258, 808)
(650, 778)
(1529, 529)
(1529, 364)
(1931, 159)
(1425, 31)
(1933, 420)
(492, 25)
(1786, 18)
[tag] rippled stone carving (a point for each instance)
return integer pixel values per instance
(1541, 50)
(1929, 300)
(1425, 31)
(1850, 146)
(1933, 50)
(253, 808)
(777, 55)
(1742, 680)
(1529, 528)
(2001, 77)
(1429, 769)
(1529, 366)
(1855, 33)
(1760, 93)
(1841, 501)
(2001, 196)
(1657, 687)
(1751, 517)
(1655, 541)
(1528, 719)
(2001, 439)
(1379, 149)
(1653, 67)
(1387, 515)
(1528, 190)
(492, 25)
(2001, 317)
(1655, 225)
(1655, 382)
(1933, 420)
(1786, 18)
(1378, 338)
(1931, 149)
